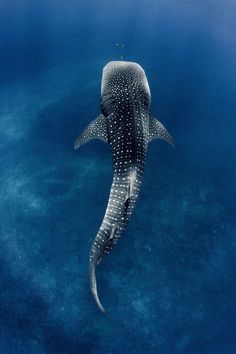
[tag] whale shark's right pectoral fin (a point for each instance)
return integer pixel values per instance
(158, 131)
(97, 129)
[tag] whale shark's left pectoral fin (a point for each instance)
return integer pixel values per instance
(97, 129)
(158, 131)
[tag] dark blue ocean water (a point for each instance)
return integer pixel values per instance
(169, 286)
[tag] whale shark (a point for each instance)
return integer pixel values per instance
(127, 125)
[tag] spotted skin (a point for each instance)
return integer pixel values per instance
(97, 129)
(125, 123)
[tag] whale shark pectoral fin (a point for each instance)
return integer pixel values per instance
(158, 131)
(97, 129)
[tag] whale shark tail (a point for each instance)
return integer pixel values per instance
(93, 286)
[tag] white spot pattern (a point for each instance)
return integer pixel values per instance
(158, 131)
(124, 123)
(97, 129)
(126, 104)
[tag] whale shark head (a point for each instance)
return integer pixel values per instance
(119, 76)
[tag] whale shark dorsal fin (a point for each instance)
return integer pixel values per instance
(113, 231)
(158, 131)
(97, 129)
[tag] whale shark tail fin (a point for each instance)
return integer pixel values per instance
(158, 131)
(93, 286)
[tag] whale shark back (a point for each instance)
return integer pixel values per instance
(125, 123)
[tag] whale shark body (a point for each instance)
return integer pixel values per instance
(126, 124)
